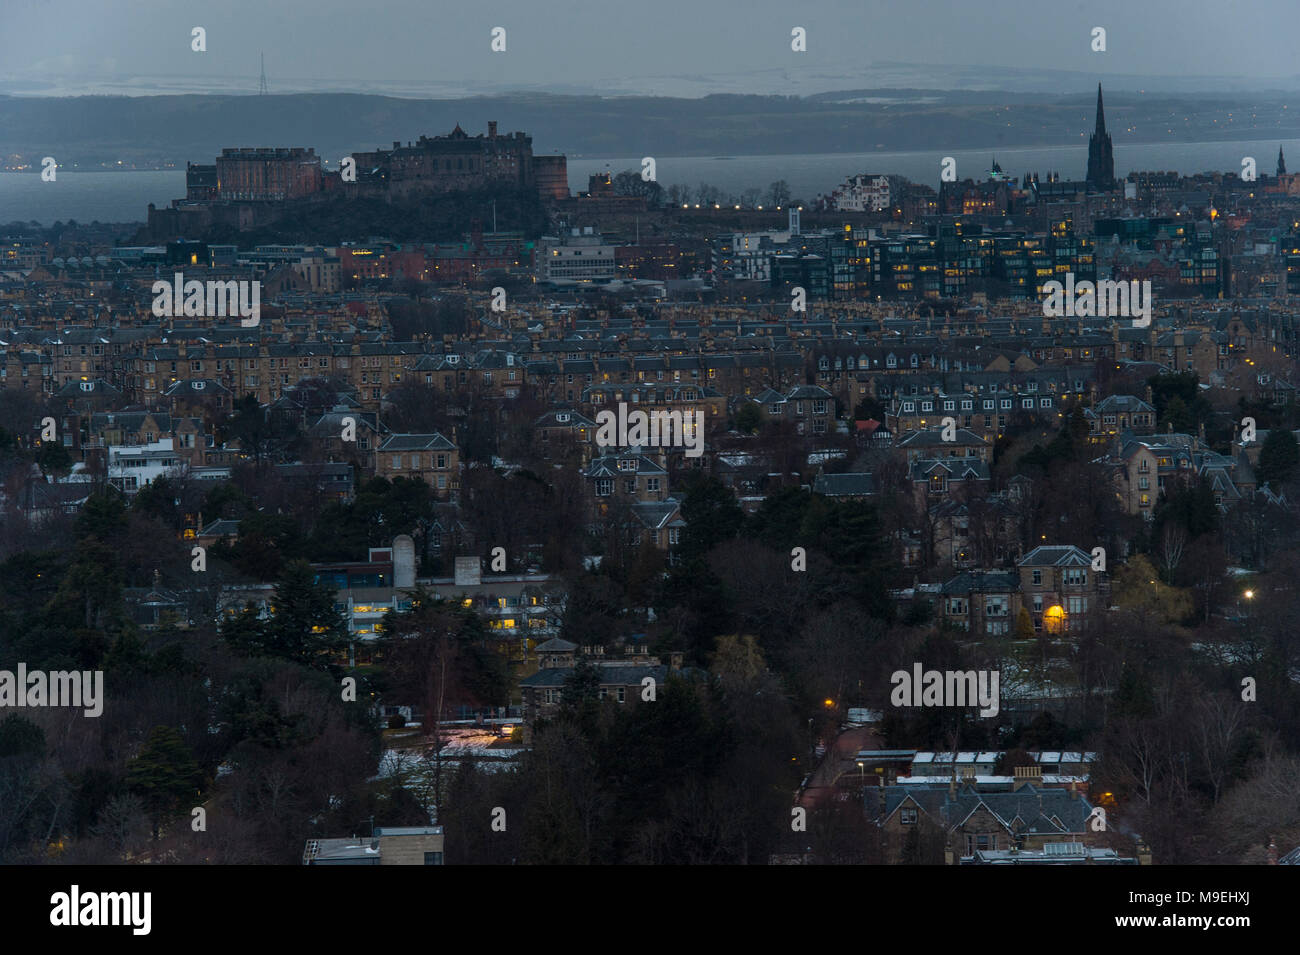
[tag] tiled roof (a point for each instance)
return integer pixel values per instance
(1050, 555)
(416, 442)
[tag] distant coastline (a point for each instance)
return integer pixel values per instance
(89, 195)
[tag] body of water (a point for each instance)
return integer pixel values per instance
(125, 196)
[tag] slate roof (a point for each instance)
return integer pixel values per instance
(1122, 404)
(933, 438)
(959, 469)
(808, 392)
(656, 515)
(576, 419)
(556, 645)
(1030, 809)
(331, 423)
(416, 442)
(195, 387)
(1055, 555)
(844, 485)
(607, 465)
(130, 420)
(97, 387)
(223, 527)
(981, 582)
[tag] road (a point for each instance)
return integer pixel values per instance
(840, 758)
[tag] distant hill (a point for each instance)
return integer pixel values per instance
(90, 130)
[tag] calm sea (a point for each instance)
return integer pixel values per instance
(125, 196)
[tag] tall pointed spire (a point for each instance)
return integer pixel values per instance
(1101, 159)
(1281, 162)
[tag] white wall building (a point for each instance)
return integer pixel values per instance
(577, 257)
(131, 467)
(748, 255)
(862, 193)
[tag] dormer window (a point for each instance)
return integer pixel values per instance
(562, 417)
(627, 464)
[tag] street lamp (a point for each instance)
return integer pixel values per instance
(1249, 595)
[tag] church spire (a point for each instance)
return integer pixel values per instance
(1281, 162)
(1101, 158)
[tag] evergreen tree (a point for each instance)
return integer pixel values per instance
(164, 775)
(749, 418)
(1277, 458)
(305, 626)
(712, 516)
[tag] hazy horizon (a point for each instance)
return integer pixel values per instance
(675, 48)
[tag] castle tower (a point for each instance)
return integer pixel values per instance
(1101, 160)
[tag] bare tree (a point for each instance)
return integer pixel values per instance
(1172, 544)
(1217, 724)
(1262, 807)
(1138, 752)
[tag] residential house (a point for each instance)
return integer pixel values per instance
(1117, 414)
(968, 820)
(623, 679)
(982, 603)
(564, 432)
(810, 407)
(628, 474)
(424, 457)
(1060, 588)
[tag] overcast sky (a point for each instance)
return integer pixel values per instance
(629, 46)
